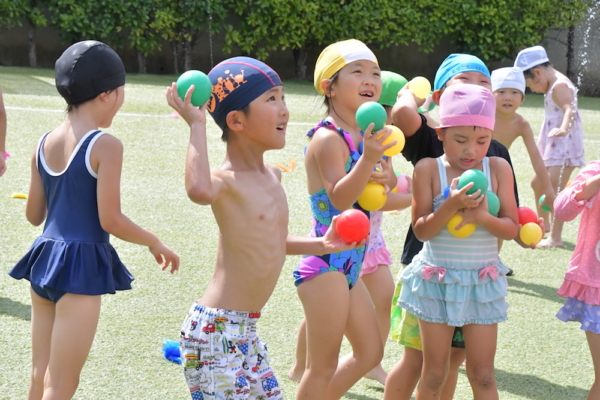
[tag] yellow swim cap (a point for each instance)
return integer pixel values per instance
(337, 55)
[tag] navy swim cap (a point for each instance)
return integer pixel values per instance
(87, 69)
(236, 82)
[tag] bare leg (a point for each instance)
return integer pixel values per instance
(436, 339)
(594, 344)
(457, 356)
(480, 343)
(363, 334)
(295, 373)
(42, 320)
(73, 333)
(326, 302)
(380, 285)
(404, 376)
(555, 239)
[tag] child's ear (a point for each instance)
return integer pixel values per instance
(326, 86)
(435, 96)
(440, 133)
(235, 121)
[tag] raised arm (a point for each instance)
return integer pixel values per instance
(200, 185)
(405, 115)
(571, 201)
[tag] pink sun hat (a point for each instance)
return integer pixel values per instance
(467, 105)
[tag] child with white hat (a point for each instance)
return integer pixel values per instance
(561, 137)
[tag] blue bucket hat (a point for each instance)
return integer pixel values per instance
(454, 65)
(236, 82)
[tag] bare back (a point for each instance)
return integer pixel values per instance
(252, 214)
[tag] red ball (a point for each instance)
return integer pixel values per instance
(353, 226)
(526, 215)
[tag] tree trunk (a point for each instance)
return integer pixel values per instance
(300, 56)
(571, 54)
(174, 45)
(141, 62)
(187, 54)
(31, 44)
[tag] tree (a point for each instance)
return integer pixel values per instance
(302, 25)
(13, 12)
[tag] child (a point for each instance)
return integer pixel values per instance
(3, 153)
(375, 272)
(422, 142)
(75, 176)
(348, 75)
(561, 138)
(460, 282)
(581, 283)
(508, 86)
(219, 344)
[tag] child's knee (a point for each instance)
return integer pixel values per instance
(481, 377)
(434, 378)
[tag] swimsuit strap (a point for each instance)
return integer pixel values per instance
(443, 176)
(330, 125)
(487, 171)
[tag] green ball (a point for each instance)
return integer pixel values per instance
(478, 178)
(541, 200)
(368, 112)
(202, 86)
(493, 203)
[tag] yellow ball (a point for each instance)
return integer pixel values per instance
(373, 197)
(463, 232)
(396, 135)
(420, 86)
(531, 233)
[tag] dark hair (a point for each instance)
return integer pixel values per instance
(225, 136)
(326, 100)
(75, 106)
(529, 73)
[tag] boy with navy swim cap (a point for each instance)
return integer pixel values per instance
(220, 349)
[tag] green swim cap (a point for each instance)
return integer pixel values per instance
(391, 83)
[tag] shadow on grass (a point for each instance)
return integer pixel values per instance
(536, 388)
(541, 291)
(567, 246)
(349, 395)
(14, 308)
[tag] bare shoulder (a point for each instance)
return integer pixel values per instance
(522, 125)
(499, 164)
(109, 142)
(425, 165)
(275, 171)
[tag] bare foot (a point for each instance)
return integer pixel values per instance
(295, 373)
(377, 374)
(549, 242)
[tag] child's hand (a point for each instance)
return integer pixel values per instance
(532, 246)
(165, 256)
(459, 197)
(407, 92)
(557, 132)
(385, 175)
(184, 107)
(373, 143)
(333, 243)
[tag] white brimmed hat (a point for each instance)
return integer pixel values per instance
(531, 57)
(508, 78)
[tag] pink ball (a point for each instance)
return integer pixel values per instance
(402, 184)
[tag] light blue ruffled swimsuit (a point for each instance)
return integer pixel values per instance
(456, 281)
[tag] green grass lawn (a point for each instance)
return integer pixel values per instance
(538, 356)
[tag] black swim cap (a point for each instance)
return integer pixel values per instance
(87, 69)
